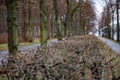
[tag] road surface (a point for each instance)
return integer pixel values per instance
(4, 53)
(114, 46)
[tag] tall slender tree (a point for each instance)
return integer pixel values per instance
(24, 28)
(117, 9)
(30, 22)
(57, 23)
(42, 23)
(68, 17)
(12, 26)
(108, 21)
(107, 18)
(71, 8)
(112, 8)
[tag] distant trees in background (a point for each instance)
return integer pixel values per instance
(45, 19)
(87, 17)
(110, 19)
(3, 24)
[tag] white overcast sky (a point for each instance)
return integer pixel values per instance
(99, 4)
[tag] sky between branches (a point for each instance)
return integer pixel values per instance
(99, 4)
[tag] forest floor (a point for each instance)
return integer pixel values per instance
(75, 58)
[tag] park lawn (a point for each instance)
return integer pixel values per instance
(116, 41)
(3, 79)
(29, 43)
(3, 47)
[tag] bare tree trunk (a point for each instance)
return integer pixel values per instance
(57, 23)
(48, 26)
(112, 26)
(12, 26)
(65, 27)
(42, 23)
(117, 7)
(108, 23)
(30, 29)
(24, 29)
(52, 25)
(68, 17)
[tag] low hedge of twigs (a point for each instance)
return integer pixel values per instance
(77, 58)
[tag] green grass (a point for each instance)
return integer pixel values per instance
(29, 43)
(3, 79)
(115, 41)
(3, 47)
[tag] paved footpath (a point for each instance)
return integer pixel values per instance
(114, 46)
(28, 47)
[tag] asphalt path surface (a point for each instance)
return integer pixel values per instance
(114, 46)
(4, 54)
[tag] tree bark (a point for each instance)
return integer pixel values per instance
(12, 26)
(30, 29)
(24, 29)
(112, 26)
(117, 8)
(68, 21)
(57, 22)
(42, 23)
(108, 23)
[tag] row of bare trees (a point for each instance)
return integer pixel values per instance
(46, 19)
(110, 19)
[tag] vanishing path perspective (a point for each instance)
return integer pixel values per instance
(114, 46)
